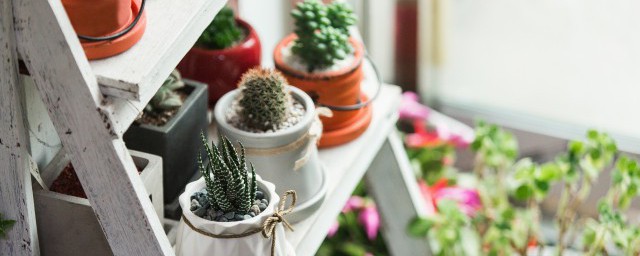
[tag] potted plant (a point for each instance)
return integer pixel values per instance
(66, 222)
(505, 218)
(231, 210)
(277, 123)
(166, 127)
(227, 48)
(106, 27)
(323, 60)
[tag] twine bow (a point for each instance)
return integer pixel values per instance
(269, 225)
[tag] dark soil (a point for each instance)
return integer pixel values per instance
(164, 116)
(69, 184)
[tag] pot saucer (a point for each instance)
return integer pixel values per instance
(308, 208)
(350, 131)
(104, 49)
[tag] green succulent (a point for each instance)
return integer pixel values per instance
(5, 225)
(323, 32)
(223, 31)
(231, 184)
(166, 98)
(263, 99)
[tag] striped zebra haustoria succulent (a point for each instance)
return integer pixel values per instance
(263, 98)
(231, 184)
(323, 32)
(167, 98)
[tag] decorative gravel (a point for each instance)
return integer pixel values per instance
(296, 112)
(200, 206)
(297, 63)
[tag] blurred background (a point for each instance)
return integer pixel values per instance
(547, 69)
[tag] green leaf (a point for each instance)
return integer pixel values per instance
(419, 227)
(5, 226)
(549, 172)
(523, 192)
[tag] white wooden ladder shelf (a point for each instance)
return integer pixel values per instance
(89, 123)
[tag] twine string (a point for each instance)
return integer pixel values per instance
(314, 133)
(268, 228)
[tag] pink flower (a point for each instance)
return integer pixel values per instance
(354, 203)
(410, 108)
(421, 136)
(456, 134)
(333, 229)
(370, 219)
(468, 199)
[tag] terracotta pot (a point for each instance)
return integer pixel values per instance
(222, 69)
(334, 88)
(102, 18)
(98, 18)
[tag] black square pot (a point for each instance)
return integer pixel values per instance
(177, 142)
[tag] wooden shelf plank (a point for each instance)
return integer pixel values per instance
(172, 28)
(133, 77)
(346, 165)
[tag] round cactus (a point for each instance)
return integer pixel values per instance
(263, 99)
(323, 32)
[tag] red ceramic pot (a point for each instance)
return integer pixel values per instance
(222, 69)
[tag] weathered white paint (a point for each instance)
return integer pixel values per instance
(44, 141)
(82, 233)
(16, 199)
(172, 28)
(48, 45)
(392, 183)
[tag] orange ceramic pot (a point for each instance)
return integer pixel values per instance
(333, 88)
(100, 18)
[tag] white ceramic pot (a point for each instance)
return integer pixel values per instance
(293, 161)
(191, 242)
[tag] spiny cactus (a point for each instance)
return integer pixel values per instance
(323, 32)
(230, 186)
(166, 98)
(223, 31)
(263, 99)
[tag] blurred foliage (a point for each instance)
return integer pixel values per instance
(223, 32)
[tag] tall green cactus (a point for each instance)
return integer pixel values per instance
(230, 187)
(263, 99)
(323, 32)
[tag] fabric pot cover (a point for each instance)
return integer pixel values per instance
(191, 242)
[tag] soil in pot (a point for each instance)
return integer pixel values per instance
(68, 183)
(162, 117)
(201, 207)
(296, 112)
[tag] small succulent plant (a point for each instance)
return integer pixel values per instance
(231, 184)
(223, 31)
(323, 32)
(166, 98)
(5, 225)
(263, 98)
